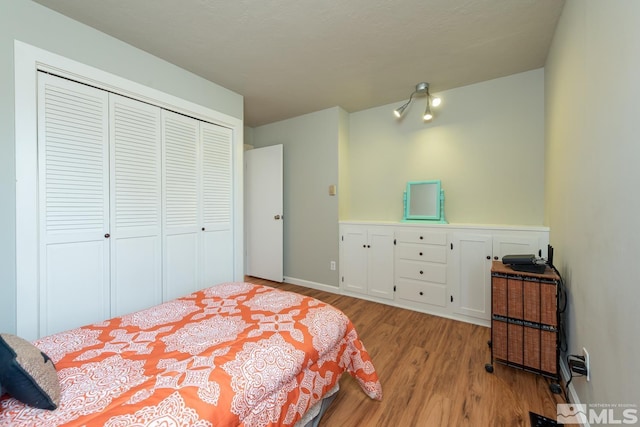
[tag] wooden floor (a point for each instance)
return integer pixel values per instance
(432, 372)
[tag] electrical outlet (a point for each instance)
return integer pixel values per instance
(586, 362)
(332, 265)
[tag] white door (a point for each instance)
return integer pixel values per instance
(353, 258)
(182, 201)
(217, 190)
(136, 215)
(73, 175)
(264, 217)
(380, 262)
(515, 245)
(472, 274)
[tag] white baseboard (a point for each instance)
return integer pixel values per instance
(573, 395)
(313, 285)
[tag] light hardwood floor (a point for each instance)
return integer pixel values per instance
(432, 372)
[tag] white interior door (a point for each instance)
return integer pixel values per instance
(182, 201)
(217, 192)
(73, 174)
(263, 213)
(136, 213)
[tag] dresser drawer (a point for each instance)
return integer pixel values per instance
(430, 253)
(423, 271)
(422, 236)
(426, 293)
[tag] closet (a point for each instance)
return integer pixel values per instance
(134, 201)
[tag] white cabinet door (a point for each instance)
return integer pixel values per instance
(471, 287)
(366, 263)
(380, 262)
(136, 216)
(217, 187)
(514, 244)
(73, 174)
(181, 202)
(353, 262)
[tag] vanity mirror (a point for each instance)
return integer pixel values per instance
(424, 201)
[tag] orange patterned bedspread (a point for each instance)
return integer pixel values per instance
(233, 354)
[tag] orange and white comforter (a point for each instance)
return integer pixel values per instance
(233, 354)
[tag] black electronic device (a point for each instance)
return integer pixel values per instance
(519, 259)
(524, 262)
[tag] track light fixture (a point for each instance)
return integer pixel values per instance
(432, 101)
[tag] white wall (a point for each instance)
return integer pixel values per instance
(36, 25)
(310, 214)
(591, 179)
(486, 144)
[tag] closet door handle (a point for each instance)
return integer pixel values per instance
(106, 236)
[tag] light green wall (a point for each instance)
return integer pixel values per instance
(36, 25)
(310, 146)
(486, 144)
(591, 179)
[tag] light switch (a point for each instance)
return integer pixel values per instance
(332, 190)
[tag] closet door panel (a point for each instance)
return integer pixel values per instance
(136, 213)
(182, 201)
(73, 181)
(217, 187)
(181, 264)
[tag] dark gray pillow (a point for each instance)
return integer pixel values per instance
(28, 374)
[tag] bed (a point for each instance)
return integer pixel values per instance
(235, 354)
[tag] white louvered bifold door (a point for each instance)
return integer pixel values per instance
(217, 187)
(73, 180)
(136, 215)
(182, 205)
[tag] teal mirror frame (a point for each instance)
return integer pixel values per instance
(424, 201)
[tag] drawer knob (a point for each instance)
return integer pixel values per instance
(488, 257)
(421, 272)
(421, 293)
(420, 253)
(421, 237)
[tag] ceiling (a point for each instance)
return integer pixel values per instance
(292, 57)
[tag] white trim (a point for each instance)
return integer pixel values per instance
(454, 226)
(27, 61)
(564, 370)
(313, 285)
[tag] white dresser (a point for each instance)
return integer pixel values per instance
(441, 269)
